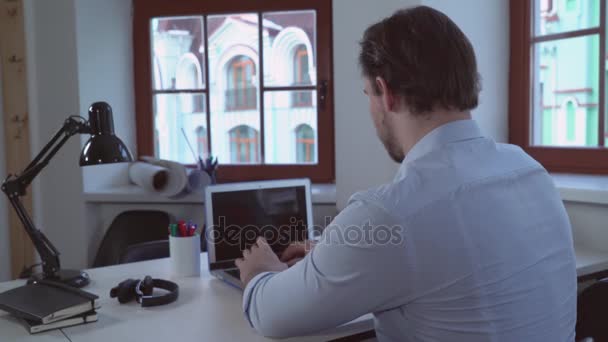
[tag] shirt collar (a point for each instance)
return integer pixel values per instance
(448, 133)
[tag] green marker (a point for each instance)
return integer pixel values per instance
(173, 229)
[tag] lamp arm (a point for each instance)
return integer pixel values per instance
(48, 253)
(70, 127)
(15, 186)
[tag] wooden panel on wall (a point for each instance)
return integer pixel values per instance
(16, 144)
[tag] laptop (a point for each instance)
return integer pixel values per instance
(238, 213)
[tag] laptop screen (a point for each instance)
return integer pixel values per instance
(240, 217)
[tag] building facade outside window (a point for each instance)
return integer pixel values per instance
(248, 76)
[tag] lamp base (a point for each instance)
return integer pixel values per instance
(72, 278)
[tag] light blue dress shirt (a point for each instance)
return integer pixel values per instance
(469, 242)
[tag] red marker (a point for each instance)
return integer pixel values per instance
(183, 231)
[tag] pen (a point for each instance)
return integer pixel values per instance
(182, 228)
(173, 229)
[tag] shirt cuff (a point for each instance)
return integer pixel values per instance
(248, 294)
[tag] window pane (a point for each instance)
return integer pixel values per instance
(566, 92)
(290, 127)
(244, 145)
(172, 113)
(177, 53)
(554, 16)
(290, 48)
(233, 86)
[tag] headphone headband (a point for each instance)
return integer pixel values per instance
(142, 290)
(147, 300)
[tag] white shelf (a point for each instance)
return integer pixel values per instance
(321, 194)
(582, 188)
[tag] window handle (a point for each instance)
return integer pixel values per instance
(322, 94)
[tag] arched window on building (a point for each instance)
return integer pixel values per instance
(570, 127)
(305, 144)
(301, 76)
(189, 77)
(241, 92)
(244, 145)
(202, 145)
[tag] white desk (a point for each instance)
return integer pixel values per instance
(207, 310)
(210, 310)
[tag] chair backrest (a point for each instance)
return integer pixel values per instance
(130, 228)
(146, 251)
(591, 312)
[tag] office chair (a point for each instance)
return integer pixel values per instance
(130, 228)
(591, 312)
(145, 251)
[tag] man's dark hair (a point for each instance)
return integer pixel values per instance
(424, 58)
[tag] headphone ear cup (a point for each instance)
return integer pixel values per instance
(147, 286)
(125, 291)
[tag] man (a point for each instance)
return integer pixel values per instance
(479, 247)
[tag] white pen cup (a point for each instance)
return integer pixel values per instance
(185, 255)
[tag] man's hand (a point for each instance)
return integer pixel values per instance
(260, 258)
(296, 252)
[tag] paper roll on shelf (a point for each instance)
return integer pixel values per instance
(151, 177)
(167, 178)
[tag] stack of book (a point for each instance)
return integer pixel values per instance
(47, 305)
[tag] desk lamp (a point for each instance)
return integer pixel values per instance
(102, 148)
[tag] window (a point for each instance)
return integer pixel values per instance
(202, 146)
(188, 77)
(244, 145)
(243, 78)
(557, 84)
(305, 144)
(241, 93)
(301, 77)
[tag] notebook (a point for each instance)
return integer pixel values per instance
(47, 301)
(36, 327)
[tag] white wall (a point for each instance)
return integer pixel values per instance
(79, 52)
(53, 95)
(5, 248)
(487, 26)
(104, 43)
(361, 160)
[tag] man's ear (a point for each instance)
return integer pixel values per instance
(387, 96)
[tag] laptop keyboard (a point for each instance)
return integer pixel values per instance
(235, 273)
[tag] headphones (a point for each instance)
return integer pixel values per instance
(142, 291)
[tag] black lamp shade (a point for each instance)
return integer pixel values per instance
(104, 147)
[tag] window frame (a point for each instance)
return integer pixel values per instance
(145, 10)
(555, 159)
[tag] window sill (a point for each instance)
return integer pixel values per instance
(582, 188)
(321, 194)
